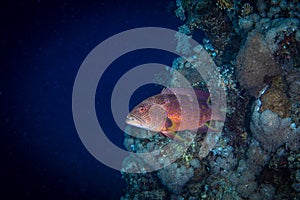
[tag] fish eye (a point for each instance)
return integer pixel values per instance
(141, 109)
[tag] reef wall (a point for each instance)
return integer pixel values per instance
(256, 46)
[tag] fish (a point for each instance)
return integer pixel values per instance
(173, 110)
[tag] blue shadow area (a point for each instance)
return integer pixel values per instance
(43, 44)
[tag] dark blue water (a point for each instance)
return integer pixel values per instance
(43, 43)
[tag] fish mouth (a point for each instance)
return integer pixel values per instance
(133, 122)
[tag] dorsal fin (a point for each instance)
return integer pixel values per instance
(201, 95)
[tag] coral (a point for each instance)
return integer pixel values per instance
(208, 144)
(216, 28)
(254, 62)
(224, 160)
(264, 192)
(275, 2)
(287, 52)
(279, 160)
(187, 158)
(230, 182)
(245, 190)
(236, 109)
(158, 152)
(274, 12)
(244, 180)
(296, 186)
(294, 160)
(195, 163)
(246, 23)
(254, 17)
(268, 191)
(225, 4)
(143, 186)
(153, 194)
(209, 47)
(278, 29)
(247, 9)
(255, 45)
(293, 82)
(276, 100)
(277, 9)
(179, 12)
(272, 131)
(205, 15)
(257, 157)
(183, 44)
(261, 7)
(263, 24)
(175, 177)
(296, 177)
(280, 34)
(195, 188)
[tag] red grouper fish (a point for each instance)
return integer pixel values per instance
(174, 109)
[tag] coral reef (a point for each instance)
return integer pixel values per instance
(256, 47)
(175, 177)
(225, 4)
(272, 131)
(292, 79)
(210, 17)
(247, 9)
(276, 99)
(255, 60)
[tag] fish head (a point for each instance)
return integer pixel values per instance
(147, 115)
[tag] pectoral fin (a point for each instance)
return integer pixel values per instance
(169, 125)
(213, 128)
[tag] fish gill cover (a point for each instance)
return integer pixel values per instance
(256, 47)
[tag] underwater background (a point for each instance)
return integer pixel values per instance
(255, 45)
(43, 44)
